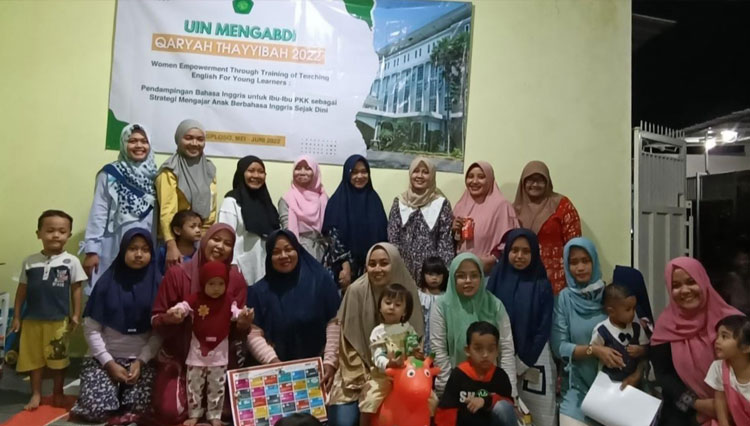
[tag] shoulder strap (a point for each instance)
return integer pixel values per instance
(725, 373)
(636, 333)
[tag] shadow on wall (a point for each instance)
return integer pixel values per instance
(77, 346)
(607, 266)
(508, 189)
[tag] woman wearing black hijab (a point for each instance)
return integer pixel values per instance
(248, 209)
(295, 307)
(354, 221)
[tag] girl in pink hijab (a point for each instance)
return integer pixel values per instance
(683, 343)
(170, 392)
(302, 208)
(492, 215)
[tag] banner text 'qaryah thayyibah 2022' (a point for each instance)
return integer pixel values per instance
(280, 78)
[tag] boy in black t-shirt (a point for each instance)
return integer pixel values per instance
(478, 393)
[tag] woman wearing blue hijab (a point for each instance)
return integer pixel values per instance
(578, 310)
(354, 221)
(520, 281)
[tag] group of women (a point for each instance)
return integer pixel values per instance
(313, 269)
(338, 232)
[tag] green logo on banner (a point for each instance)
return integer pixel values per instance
(242, 6)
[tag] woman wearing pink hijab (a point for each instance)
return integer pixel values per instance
(492, 215)
(682, 347)
(302, 208)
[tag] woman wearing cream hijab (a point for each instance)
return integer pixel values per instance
(420, 220)
(358, 315)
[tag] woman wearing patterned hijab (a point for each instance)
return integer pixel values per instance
(186, 181)
(124, 198)
(420, 220)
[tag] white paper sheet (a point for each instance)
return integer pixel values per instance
(610, 406)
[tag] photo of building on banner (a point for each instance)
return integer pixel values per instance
(417, 103)
(281, 78)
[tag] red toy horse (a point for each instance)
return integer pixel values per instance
(407, 403)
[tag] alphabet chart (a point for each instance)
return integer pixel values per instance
(262, 395)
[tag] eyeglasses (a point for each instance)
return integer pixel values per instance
(137, 140)
(539, 181)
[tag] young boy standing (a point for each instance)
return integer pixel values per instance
(48, 280)
(478, 393)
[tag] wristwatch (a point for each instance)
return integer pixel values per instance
(589, 350)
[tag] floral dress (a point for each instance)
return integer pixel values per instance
(426, 232)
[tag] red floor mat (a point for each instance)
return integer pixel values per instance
(43, 415)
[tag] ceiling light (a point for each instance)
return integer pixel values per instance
(728, 136)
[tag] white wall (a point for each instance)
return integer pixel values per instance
(718, 163)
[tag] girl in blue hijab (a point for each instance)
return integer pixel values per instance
(116, 380)
(520, 281)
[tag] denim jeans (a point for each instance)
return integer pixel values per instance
(503, 414)
(343, 414)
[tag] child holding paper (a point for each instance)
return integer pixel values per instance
(729, 376)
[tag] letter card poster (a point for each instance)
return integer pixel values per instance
(261, 396)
